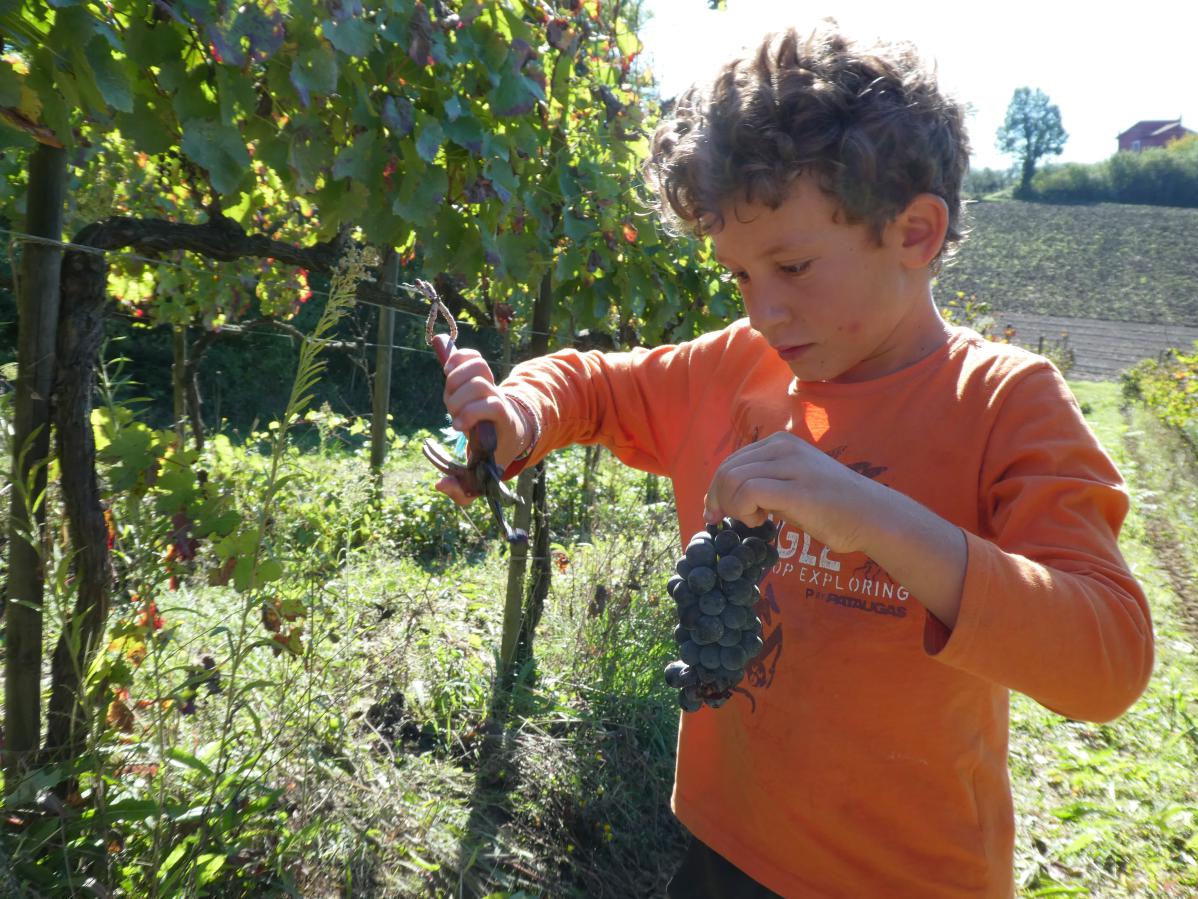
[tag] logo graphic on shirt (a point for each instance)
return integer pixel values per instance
(865, 588)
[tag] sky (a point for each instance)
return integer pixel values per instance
(1105, 70)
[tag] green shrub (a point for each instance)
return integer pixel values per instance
(983, 182)
(1072, 183)
(1157, 176)
(1169, 387)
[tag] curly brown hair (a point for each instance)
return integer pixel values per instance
(870, 123)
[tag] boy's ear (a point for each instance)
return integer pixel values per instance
(919, 230)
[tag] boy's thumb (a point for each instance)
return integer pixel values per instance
(442, 346)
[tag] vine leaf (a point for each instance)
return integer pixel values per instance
(353, 36)
(314, 72)
(514, 95)
(110, 77)
(398, 115)
(429, 141)
(219, 149)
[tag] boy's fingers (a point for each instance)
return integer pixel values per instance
(485, 408)
(451, 488)
(457, 401)
(466, 367)
(744, 506)
(711, 512)
(747, 490)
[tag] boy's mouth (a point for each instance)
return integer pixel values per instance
(790, 353)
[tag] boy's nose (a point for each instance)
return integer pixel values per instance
(767, 310)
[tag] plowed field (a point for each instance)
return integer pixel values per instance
(1106, 261)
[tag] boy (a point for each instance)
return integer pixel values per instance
(948, 522)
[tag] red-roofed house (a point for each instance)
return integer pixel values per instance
(1143, 135)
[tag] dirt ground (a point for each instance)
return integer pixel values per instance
(1101, 348)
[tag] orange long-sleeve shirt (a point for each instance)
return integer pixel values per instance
(866, 754)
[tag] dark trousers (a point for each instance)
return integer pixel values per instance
(705, 874)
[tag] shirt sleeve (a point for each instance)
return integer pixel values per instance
(635, 403)
(1049, 606)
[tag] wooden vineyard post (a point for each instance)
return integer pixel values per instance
(179, 380)
(538, 591)
(517, 635)
(513, 607)
(37, 303)
(388, 274)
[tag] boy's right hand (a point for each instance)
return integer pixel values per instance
(471, 396)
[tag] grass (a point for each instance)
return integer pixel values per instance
(1107, 260)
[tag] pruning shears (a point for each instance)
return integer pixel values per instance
(480, 476)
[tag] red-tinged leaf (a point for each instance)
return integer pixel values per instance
(629, 233)
(560, 34)
(119, 716)
(20, 121)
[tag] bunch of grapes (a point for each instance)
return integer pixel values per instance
(715, 588)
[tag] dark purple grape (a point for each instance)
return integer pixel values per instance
(684, 595)
(740, 592)
(726, 680)
(733, 657)
(709, 656)
(759, 549)
(726, 542)
(683, 568)
(754, 573)
(708, 630)
(673, 582)
(689, 651)
(734, 617)
(701, 580)
(746, 553)
(707, 675)
(712, 529)
(730, 637)
(741, 529)
(681, 634)
(701, 555)
(689, 701)
(674, 672)
(689, 676)
(690, 616)
(729, 568)
(712, 603)
(751, 644)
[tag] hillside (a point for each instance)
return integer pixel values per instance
(1106, 261)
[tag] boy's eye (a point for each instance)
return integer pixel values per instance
(797, 268)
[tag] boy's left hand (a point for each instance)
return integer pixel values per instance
(787, 477)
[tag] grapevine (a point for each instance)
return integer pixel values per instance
(715, 587)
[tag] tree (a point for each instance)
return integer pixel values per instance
(1032, 130)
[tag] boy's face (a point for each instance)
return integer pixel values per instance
(834, 304)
